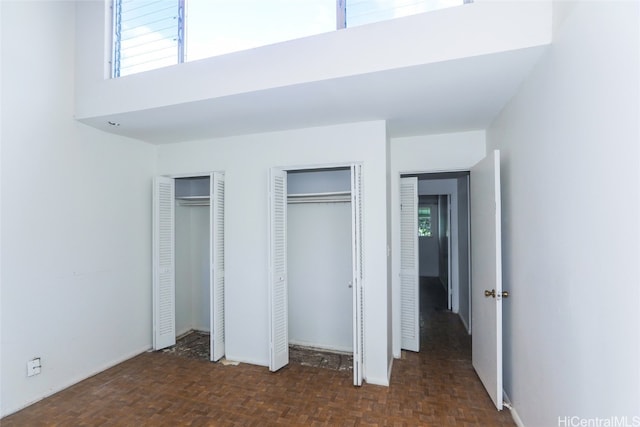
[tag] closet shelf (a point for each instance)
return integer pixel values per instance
(326, 197)
(192, 197)
(193, 200)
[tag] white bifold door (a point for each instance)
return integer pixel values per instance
(358, 282)
(278, 283)
(486, 275)
(217, 266)
(409, 265)
(164, 264)
(278, 289)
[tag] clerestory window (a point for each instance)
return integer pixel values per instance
(147, 34)
(150, 34)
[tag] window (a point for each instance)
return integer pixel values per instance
(224, 26)
(359, 12)
(147, 34)
(150, 34)
(424, 221)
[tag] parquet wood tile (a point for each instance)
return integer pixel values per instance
(436, 387)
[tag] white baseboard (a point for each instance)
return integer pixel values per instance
(512, 409)
(377, 381)
(232, 358)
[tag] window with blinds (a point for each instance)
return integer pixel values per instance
(147, 34)
(150, 34)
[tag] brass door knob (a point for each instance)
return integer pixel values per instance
(492, 293)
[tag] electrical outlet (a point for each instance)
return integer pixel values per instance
(33, 367)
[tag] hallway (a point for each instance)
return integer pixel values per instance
(435, 387)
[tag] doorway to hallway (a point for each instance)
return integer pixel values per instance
(435, 244)
(485, 291)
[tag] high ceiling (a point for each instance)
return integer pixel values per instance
(449, 96)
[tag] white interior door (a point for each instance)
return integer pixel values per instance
(409, 265)
(164, 313)
(217, 281)
(278, 316)
(358, 300)
(486, 274)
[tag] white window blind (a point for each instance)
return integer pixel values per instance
(148, 34)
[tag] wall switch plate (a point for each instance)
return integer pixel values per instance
(33, 367)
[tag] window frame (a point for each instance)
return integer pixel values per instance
(115, 60)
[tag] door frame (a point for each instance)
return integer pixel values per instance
(355, 169)
(173, 177)
(455, 285)
(492, 157)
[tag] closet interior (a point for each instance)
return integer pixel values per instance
(192, 266)
(320, 271)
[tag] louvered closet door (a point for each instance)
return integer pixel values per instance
(164, 320)
(409, 274)
(358, 288)
(217, 266)
(279, 340)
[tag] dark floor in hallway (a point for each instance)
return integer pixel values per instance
(436, 387)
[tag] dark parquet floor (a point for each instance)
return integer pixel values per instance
(435, 387)
(196, 345)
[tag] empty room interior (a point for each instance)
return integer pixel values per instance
(304, 193)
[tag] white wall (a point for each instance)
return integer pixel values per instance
(432, 153)
(319, 260)
(322, 181)
(568, 138)
(464, 260)
(1, 143)
(192, 268)
(445, 228)
(75, 218)
(201, 268)
(246, 161)
(183, 288)
(319, 272)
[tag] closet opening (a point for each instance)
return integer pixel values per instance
(319, 253)
(188, 289)
(316, 282)
(192, 235)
